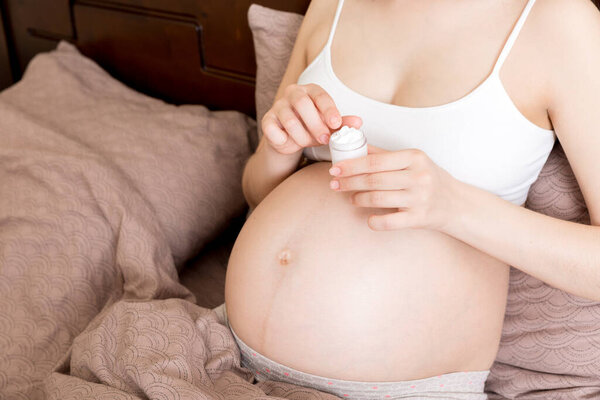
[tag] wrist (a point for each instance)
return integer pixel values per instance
(266, 169)
(474, 210)
(287, 162)
(464, 200)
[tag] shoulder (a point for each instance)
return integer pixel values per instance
(318, 13)
(317, 21)
(566, 34)
(568, 28)
(319, 7)
(318, 10)
(567, 11)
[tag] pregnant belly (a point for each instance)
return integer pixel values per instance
(311, 286)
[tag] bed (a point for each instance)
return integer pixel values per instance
(157, 336)
(213, 64)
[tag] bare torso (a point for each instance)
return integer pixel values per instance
(311, 286)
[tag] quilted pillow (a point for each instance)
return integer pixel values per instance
(550, 346)
(274, 33)
(186, 160)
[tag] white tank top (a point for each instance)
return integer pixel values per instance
(481, 139)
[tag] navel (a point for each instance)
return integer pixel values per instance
(285, 257)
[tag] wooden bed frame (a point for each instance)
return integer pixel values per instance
(182, 51)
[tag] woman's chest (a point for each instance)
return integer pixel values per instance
(426, 55)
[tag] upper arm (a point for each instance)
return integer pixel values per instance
(574, 103)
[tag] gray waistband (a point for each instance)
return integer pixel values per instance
(456, 385)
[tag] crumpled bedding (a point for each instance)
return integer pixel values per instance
(90, 302)
(162, 349)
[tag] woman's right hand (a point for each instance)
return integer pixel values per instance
(304, 116)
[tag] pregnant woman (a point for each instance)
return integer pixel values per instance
(386, 276)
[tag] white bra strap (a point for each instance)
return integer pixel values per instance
(513, 36)
(335, 22)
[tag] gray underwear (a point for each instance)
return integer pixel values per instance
(452, 386)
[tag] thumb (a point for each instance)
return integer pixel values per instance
(352, 121)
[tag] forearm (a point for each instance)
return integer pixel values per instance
(264, 170)
(563, 254)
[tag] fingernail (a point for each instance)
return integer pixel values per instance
(324, 139)
(335, 171)
(335, 120)
(334, 184)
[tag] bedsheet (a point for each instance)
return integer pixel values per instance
(165, 349)
(90, 302)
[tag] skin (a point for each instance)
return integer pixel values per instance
(422, 221)
(563, 254)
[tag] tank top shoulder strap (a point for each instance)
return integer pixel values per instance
(335, 22)
(513, 36)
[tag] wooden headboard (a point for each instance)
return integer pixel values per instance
(182, 51)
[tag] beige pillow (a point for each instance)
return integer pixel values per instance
(186, 160)
(551, 339)
(274, 33)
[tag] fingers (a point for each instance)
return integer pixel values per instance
(331, 115)
(382, 199)
(303, 104)
(306, 115)
(393, 221)
(273, 130)
(389, 180)
(352, 121)
(326, 106)
(384, 161)
(276, 136)
(293, 126)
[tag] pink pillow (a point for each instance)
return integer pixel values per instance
(274, 33)
(550, 346)
(551, 339)
(186, 160)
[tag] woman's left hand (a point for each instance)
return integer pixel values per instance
(422, 194)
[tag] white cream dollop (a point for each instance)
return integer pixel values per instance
(347, 135)
(347, 143)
